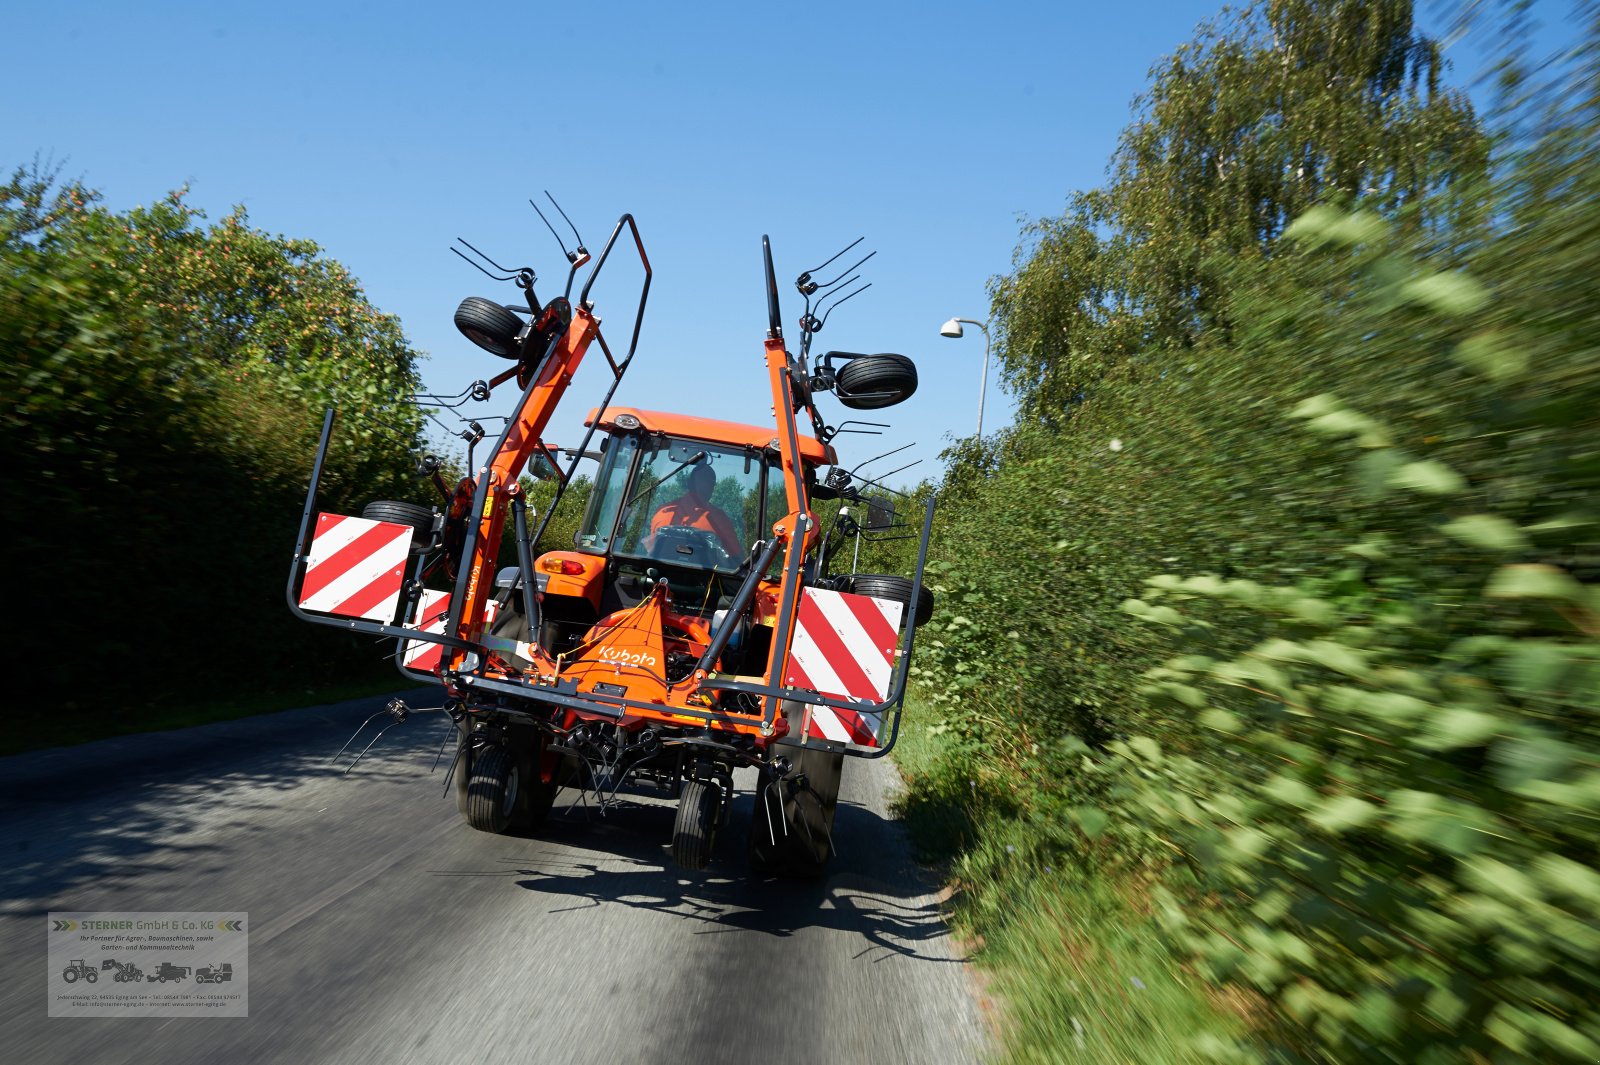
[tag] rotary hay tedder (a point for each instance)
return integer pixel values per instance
(692, 628)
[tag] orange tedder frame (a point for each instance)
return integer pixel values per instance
(558, 692)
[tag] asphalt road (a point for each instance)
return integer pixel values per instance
(384, 930)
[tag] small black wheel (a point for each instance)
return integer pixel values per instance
(887, 586)
(91, 976)
(69, 975)
(490, 326)
(419, 518)
(492, 789)
(874, 381)
(695, 831)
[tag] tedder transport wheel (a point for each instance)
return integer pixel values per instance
(489, 325)
(801, 843)
(419, 518)
(695, 831)
(874, 381)
(886, 586)
(504, 792)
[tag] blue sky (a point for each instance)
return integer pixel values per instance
(383, 131)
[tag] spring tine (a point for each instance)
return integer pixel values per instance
(369, 746)
(551, 228)
(353, 736)
(480, 269)
(842, 299)
(575, 234)
(838, 253)
(440, 752)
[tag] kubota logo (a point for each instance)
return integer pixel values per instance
(628, 658)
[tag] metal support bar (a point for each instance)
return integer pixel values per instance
(791, 593)
(530, 601)
(741, 603)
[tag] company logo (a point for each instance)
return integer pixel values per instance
(639, 659)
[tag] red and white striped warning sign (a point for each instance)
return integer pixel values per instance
(844, 647)
(355, 567)
(431, 615)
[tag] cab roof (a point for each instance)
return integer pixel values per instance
(714, 431)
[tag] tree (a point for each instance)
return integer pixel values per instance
(1271, 110)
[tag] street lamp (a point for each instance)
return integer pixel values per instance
(953, 329)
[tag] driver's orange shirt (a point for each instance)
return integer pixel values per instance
(685, 510)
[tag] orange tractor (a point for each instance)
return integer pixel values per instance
(692, 628)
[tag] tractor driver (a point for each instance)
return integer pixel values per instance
(695, 510)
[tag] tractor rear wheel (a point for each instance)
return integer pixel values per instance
(874, 381)
(420, 519)
(887, 586)
(489, 325)
(695, 831)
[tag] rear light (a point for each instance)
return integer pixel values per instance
(562, 565)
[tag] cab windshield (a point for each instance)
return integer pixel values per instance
(681, 502)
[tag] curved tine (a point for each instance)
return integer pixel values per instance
(825, 293)
(842, 299)
(886, 454)
(354, 734)
(442, 741)
(368, 747)
(481, 270)
(513, 272)
(838, 253)
(551, 228)
(461, 744)
(886, 488)
(575, 234)
(842, 273)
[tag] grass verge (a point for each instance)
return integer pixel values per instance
(37, 730)
(1075, 958)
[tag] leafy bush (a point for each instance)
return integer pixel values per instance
(166, 381)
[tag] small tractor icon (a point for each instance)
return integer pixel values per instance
(214, 974)
(76, 969)
(126, 971)
(168, 971)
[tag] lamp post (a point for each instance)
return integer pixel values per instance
(952, 329)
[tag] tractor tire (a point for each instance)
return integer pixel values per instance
(886, 586)
(69, 975)
(492, 789)
(490, 326)
(804, 851)
(419, 518)
(91, 976)
(695, 831)
(874, 381)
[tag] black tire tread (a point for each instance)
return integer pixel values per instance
(419, 518)
(694, 831)
(491, 770)
(874, 381)
(489, 325)
(889, 586)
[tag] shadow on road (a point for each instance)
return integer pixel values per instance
(874, 890)
(102, 819)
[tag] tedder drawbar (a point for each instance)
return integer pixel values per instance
(692, 627)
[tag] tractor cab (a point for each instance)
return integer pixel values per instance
(677, 499)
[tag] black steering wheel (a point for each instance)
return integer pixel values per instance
(685, 545)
